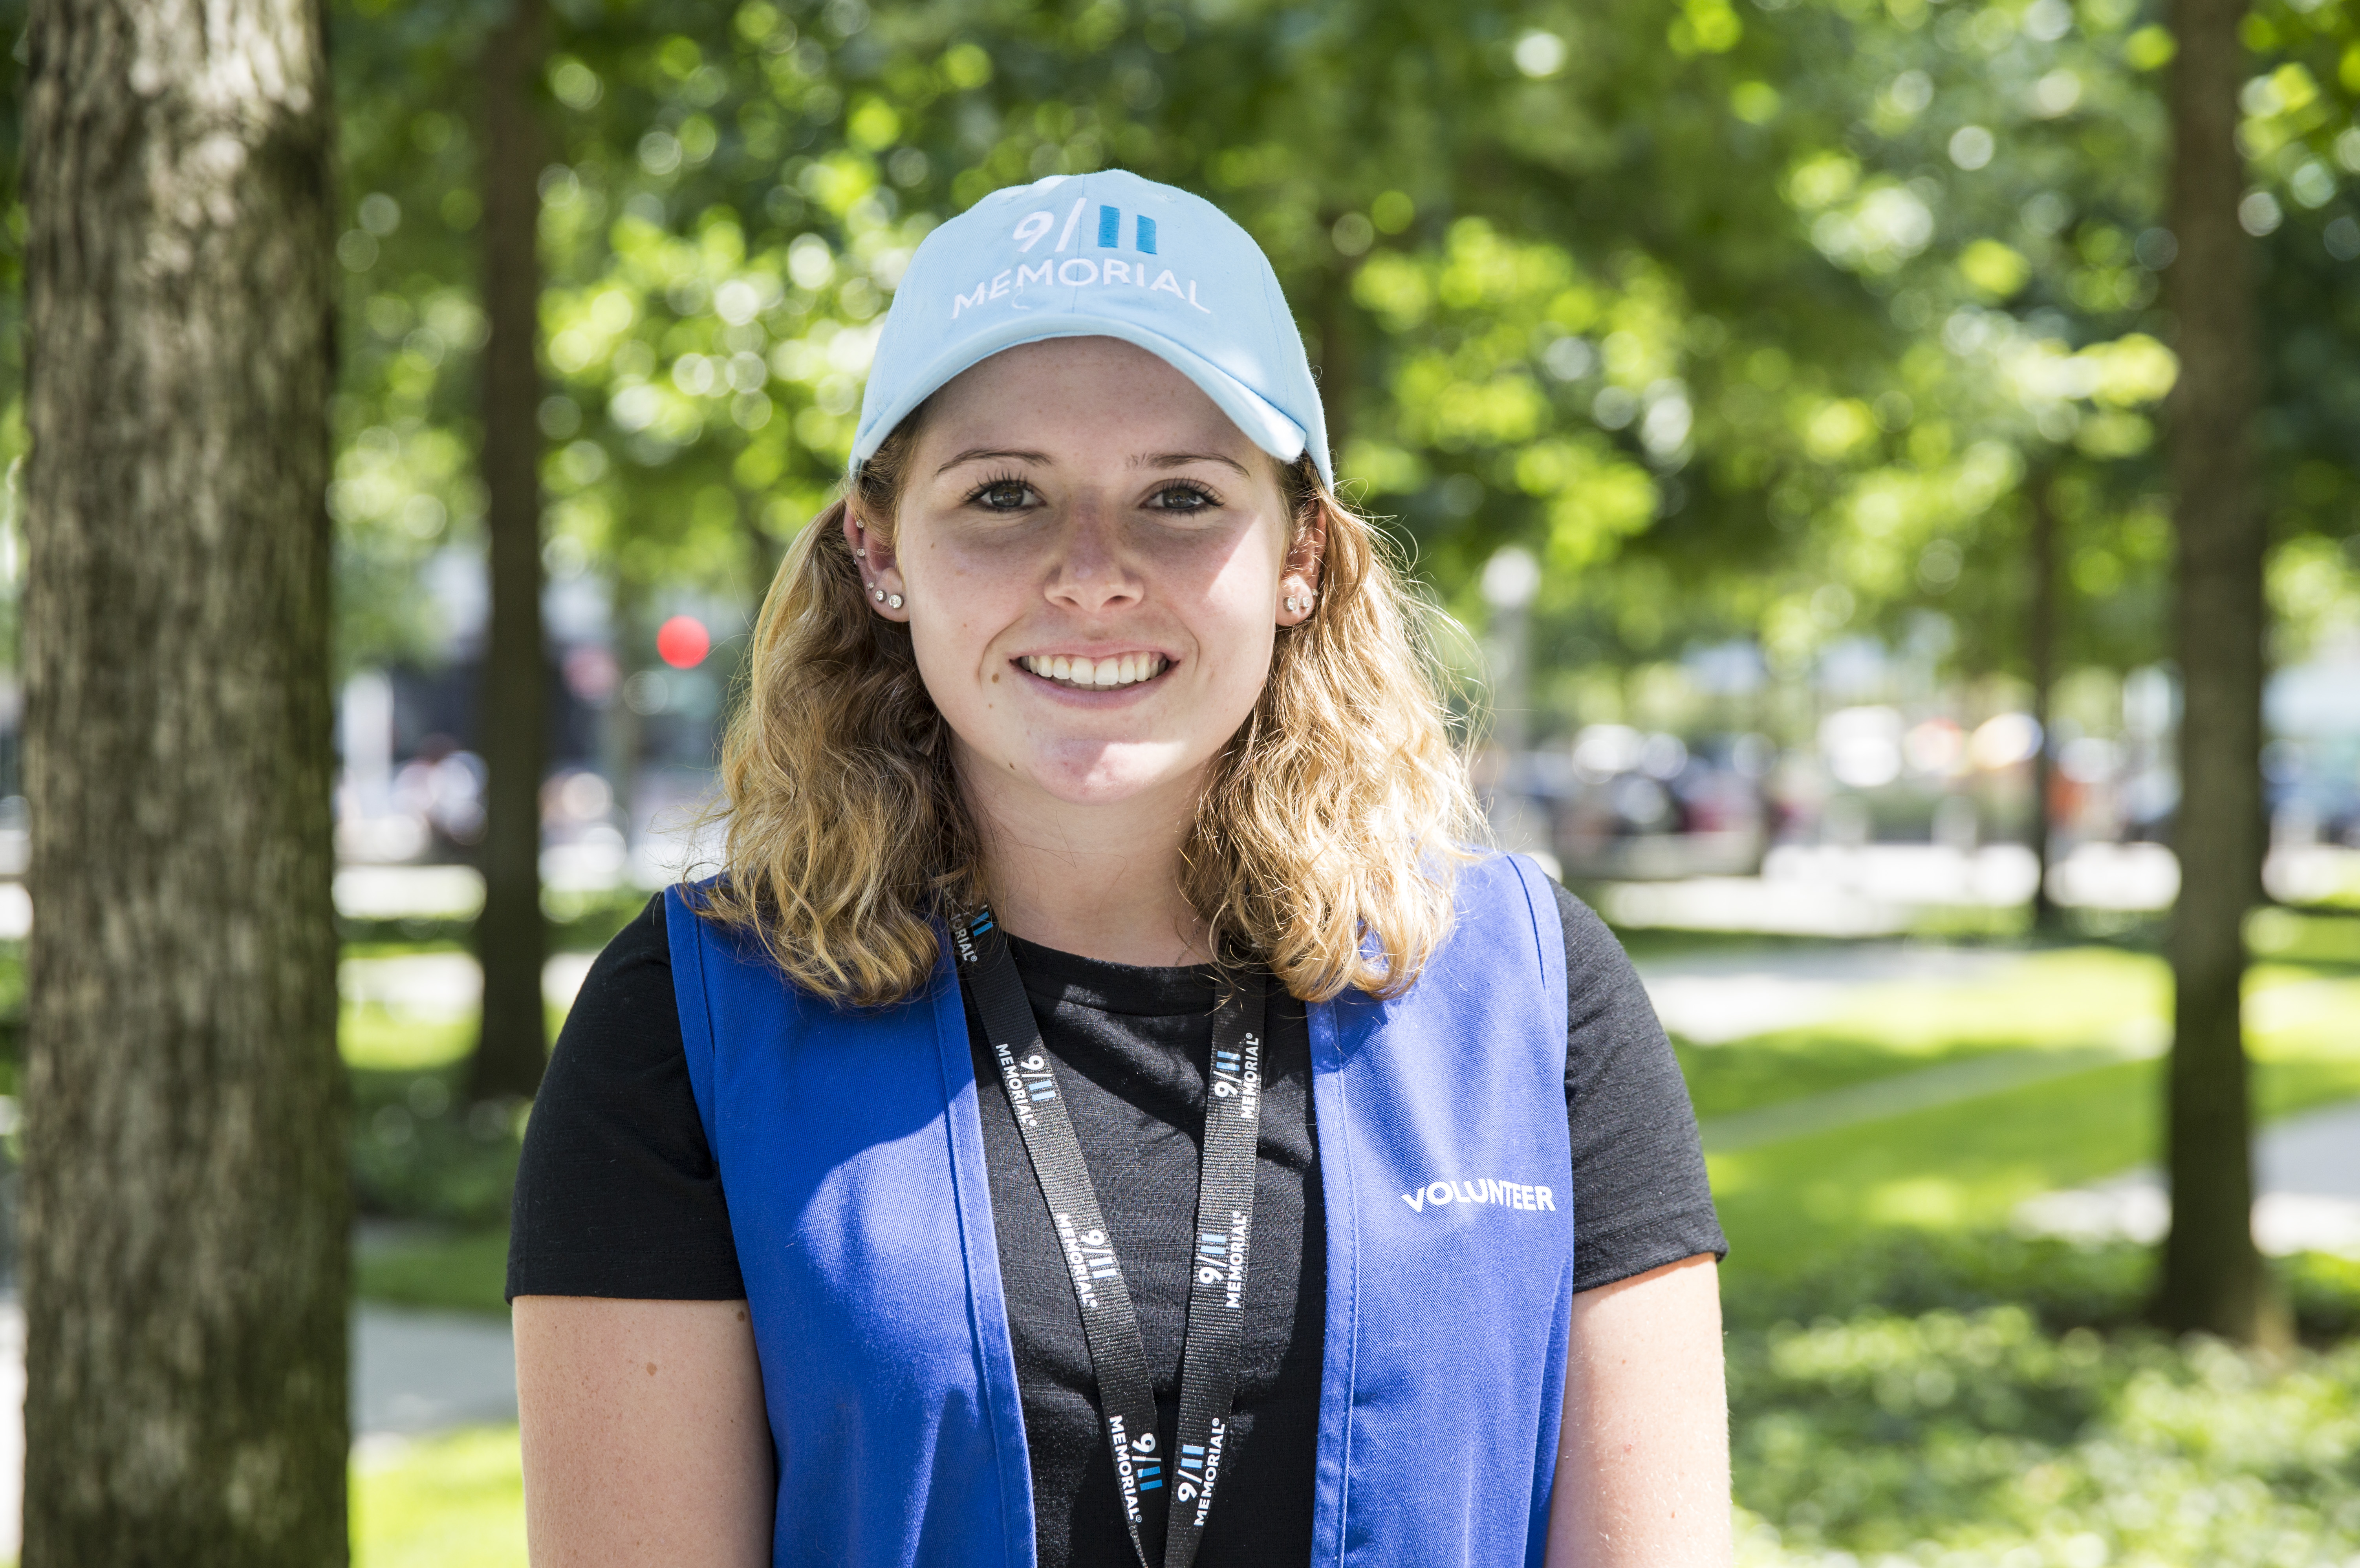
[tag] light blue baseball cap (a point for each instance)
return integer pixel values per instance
(1105, 255)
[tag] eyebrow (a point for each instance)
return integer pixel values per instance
(1146, 460)
(982, 453)
(1182, 459)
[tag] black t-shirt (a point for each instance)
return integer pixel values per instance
(617, 1195)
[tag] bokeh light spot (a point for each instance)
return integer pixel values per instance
(683, 642)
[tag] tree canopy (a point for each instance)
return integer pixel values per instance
(1750, 321)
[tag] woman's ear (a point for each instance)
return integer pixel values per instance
(880, 575)
(1298, 578)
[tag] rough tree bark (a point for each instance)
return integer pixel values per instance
(186, 1216)
(2211, 1277)
(511, 940)
(2041, 649)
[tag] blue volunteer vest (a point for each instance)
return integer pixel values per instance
(852, 1159)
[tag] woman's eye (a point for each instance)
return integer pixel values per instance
(1004, 496)
(1182, 498)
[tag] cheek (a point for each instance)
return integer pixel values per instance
(1235, 631)
(949, 651)
(957, 605)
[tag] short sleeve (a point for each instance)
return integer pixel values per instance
(617, 1193)
(1640, 1195)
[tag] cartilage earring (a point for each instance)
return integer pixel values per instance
(893, 601)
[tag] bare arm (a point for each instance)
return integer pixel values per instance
(1642, 1464)
(645, 1438)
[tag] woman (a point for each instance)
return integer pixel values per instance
(1101, 1113)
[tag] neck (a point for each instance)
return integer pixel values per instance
(1098, 881)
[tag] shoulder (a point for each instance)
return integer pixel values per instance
(628, 982)
(1599, 979)
(1494, 892)
(644, 940)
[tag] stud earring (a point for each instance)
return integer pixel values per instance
(1290, 603)
(877, 594)
(893, 601)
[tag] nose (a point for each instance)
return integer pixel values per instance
(1092, 572)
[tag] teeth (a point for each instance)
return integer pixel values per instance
(1122, 669)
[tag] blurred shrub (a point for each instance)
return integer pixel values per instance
(2063, 1285)
(1912, 1271)
(1982, 1437)
(12, 1013)
(2325, 1293)
(420, 1153)
(1951, 1400)
(461, 1270)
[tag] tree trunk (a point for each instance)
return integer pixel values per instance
(2040, 644)
(2212, 1279)
(512, 721)
(186, 1219)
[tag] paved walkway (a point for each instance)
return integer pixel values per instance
(1713, 997)
(2306, 1167)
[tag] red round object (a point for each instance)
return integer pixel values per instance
(683, 642)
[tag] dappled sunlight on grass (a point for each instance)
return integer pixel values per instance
(452, 1501)
(380, 1040)
(384, 1039)
(2061, 999)
(2294, 1010)
(2076, 997)
(1790, 1203)
(1969, 1162)
(2081, 995)
(1988, 1153)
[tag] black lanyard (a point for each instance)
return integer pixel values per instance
(1213, 1349)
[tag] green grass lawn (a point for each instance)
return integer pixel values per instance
(452, 1501)
(2071, 997)
(378, 1039)
(1789, 1205)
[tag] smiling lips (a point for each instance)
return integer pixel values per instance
(1120, 669)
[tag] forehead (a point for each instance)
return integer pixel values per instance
(1085, 393)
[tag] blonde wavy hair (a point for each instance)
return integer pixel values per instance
(1324, 845)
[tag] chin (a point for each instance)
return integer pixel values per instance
(1095, 773)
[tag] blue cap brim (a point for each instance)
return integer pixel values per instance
(1254, 414)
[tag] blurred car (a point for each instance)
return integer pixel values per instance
(1625, 804)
